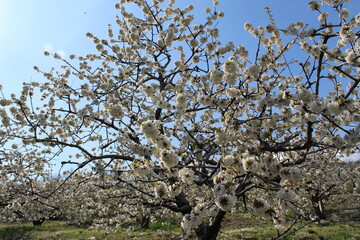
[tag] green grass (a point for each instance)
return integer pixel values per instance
(328, 231)
(55, 230)
(237, 226)
(49, 230)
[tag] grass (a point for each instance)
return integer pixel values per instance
(57, 230)
(237, 226)
(49, 230)
(330, 231)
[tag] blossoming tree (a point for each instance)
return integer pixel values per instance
(25, 187)
(196, 126)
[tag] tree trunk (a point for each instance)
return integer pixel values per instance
(321, 210)
(210, 232)
(144, 222)
(318, 207)
(38, 222)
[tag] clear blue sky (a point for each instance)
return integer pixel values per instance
(27, 27)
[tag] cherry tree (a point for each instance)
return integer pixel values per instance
(25, 187)
(187, 123)
(350, 174)
(104, 203)
(324, 177)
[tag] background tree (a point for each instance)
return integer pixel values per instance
(193, 125)
(26, 187)
(324, 178)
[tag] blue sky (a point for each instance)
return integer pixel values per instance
(28, 27)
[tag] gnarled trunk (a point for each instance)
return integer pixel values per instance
(210, 232)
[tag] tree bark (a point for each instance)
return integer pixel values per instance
(322, 214)
(144, 222)
(318, 207)
(210, 232)
(38, 222)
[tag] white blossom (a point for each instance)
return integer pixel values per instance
(344, 13)
(323, 16)
(216, 76)
(160, 190)
(150, 129)
(169, 158)
(225, 202)
(186, 175)
(116, 111)
(230, 67)
(250, 164)
(314, 5)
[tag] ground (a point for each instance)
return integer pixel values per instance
(343, 224)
